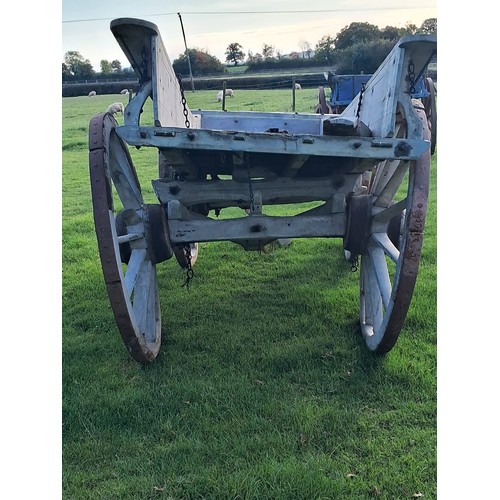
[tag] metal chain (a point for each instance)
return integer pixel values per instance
(411, 76)
(354, 261)
(189, 268)
(183, 101)
(250, 188)
(361, 92)
(187, 248)
(144, 66)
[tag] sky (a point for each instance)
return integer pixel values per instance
(212, 26)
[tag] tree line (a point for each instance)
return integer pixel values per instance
(358, 47)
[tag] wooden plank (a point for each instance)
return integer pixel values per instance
(214, 140)
(226, 192)
(168, 108)
(255, 228)
(389, 86)
(142, 44)
(251, 121)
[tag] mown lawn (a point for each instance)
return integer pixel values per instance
(263, 388)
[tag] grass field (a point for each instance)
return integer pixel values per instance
(263, 388)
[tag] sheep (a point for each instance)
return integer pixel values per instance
(124, 92)
(297, 86)
(92, 93)
(229, 92)
(116, 107)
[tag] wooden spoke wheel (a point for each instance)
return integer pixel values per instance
(131, 242)
(398, 193)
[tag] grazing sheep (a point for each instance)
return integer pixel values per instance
(124, 92)
(92, 93)
(116, 107)
(229, 93)
(297, 86)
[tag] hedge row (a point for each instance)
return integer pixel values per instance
(236, 82)
(212, 83)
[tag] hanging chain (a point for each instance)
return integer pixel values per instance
(189, 267)
(183, 100)
(354, 261)
(187, 248)
(250, 187)
(143, 70)
(411, 76)
(361, 92)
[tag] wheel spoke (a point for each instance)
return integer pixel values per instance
(381, 274)
(388, 213)
(137, 258)
(124, 178)
(385, 196)
(387, 245)
(381, 174)
(145, 301)
(373, 299)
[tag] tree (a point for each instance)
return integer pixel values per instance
(392, 33)
(411, 29)
(65, 71)
(117, 66)
(201, 63)
(106, 68)
(356, 33)
(325, 49)
(363, 57)
(267, 51)
(77, 65)
(234, 53)
(253, 58)
(429, 26)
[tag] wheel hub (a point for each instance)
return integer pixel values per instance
(155, 231)
(358, 223)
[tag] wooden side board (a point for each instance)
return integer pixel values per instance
(142, 44)
(390, 86)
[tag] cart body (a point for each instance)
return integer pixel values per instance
(351, 163)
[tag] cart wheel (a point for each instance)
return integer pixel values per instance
(431, 111)
(323, 107)
(388, 273)
(130, 243)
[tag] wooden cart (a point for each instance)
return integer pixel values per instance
(368, 167)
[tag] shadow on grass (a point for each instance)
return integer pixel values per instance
(262, 366)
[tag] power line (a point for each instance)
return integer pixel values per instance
(219, 13)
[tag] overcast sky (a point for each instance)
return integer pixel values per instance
(213, 25)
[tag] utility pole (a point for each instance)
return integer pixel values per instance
(187, 53)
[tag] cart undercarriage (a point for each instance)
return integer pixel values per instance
(368, 168)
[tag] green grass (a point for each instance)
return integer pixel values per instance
(263, 388)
